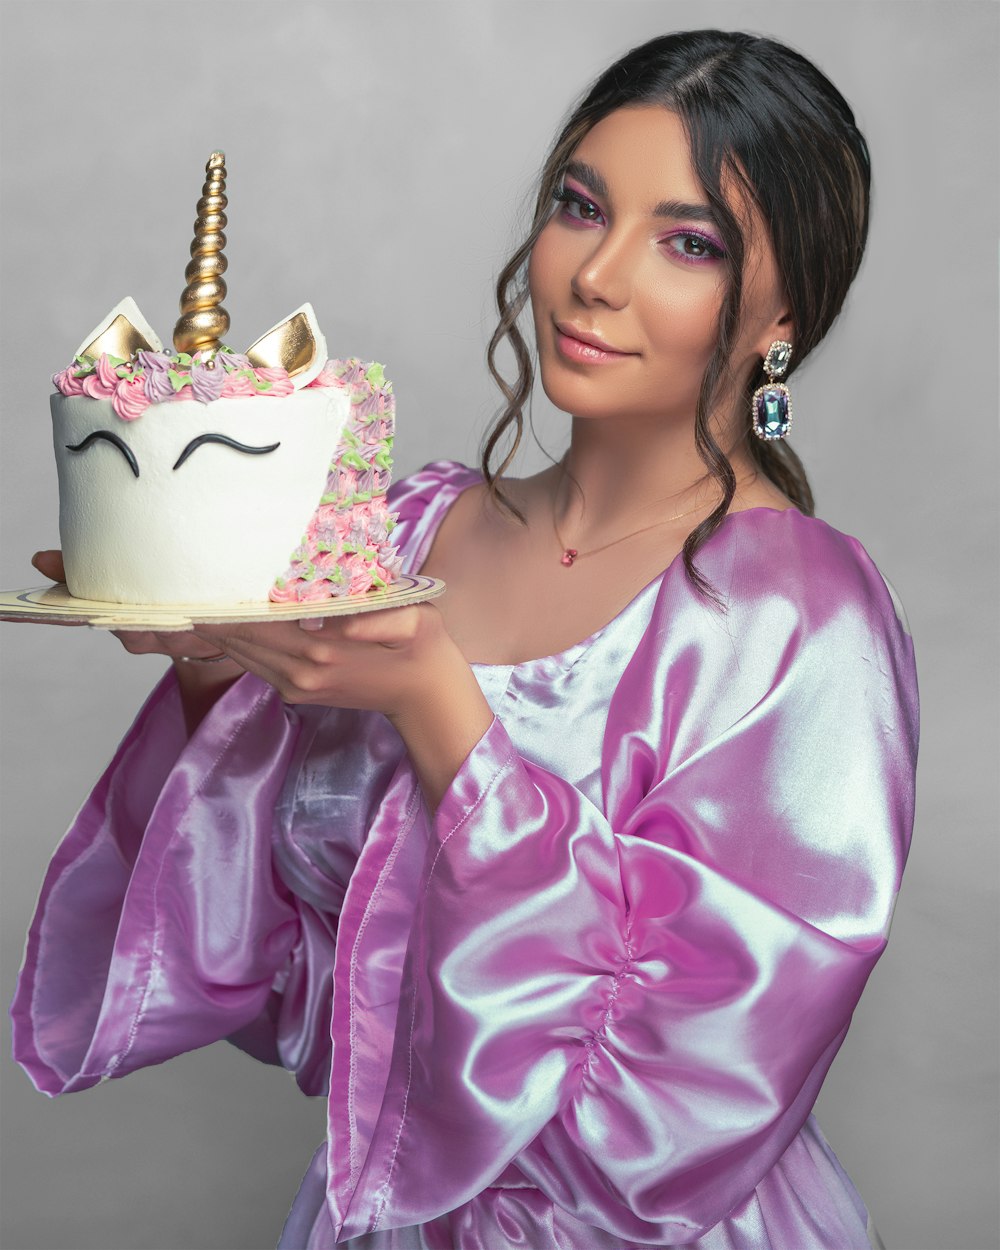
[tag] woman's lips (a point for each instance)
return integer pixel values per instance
(580, 346)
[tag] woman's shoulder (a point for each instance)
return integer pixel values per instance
(803, 620)
(784, 571)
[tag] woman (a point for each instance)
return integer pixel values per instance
(584, 869)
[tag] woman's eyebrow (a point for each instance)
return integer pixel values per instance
(678, 208)
(596, 185)
(588, 175)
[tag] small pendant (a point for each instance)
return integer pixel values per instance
(568, 556)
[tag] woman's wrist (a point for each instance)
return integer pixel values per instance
(441, 724)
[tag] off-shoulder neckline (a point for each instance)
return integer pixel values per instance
(568, 656)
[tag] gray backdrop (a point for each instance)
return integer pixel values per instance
(379, 155)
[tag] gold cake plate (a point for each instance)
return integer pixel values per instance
(54, 605)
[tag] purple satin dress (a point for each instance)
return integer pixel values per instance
(587, 1006)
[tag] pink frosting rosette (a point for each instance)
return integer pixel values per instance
(107, 372)
(94, 388)
(326, 525)
(102, 382)
(328, 376)
(284, 593)
(359, 573)
(67, 383)
(236, 385)
(281, 383)
(130, 399)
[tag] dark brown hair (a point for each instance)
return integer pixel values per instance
(759, 116)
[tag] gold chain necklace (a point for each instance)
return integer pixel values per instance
(570, 555)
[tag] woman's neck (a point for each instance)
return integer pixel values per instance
(608, 481)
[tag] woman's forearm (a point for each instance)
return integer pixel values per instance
(441, 730)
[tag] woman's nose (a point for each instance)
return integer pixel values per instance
(605, 276)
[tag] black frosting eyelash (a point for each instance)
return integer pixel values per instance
(106, 436)
(195, 443)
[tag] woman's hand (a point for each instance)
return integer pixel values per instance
(386, 661)
(399, 661)
(50, 565)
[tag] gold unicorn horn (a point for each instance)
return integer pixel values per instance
(204, 322)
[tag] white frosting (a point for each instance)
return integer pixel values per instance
(217, 530)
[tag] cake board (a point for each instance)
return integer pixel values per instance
(54, 605)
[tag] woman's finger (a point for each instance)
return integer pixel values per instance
(275, 635)
(172, 645)
(50, 564)
(392, 627)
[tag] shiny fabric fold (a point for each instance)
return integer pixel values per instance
(589, 1004)
(103, 990)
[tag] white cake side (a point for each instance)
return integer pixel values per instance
(215, 529)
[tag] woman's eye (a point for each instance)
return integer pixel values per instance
(694, 247)
(577, 208)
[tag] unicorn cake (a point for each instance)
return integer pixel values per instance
(205, 475)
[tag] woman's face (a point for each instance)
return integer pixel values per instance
(628, 276)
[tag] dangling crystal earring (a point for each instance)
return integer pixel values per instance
(771, 408)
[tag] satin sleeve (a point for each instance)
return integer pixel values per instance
(632, 1006)
(161, 924)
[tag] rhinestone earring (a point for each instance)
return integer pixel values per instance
(771, 408)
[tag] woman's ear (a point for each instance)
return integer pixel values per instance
(781, 329)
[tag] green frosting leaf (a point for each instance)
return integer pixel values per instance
(178, 381)
(376, 375)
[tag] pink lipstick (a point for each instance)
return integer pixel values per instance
(585, 348)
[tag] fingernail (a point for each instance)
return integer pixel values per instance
(311, 623)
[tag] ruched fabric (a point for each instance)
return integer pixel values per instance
(590, 1003)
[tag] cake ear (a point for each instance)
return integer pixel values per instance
(122, 333)
(295, 344)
